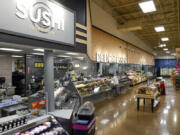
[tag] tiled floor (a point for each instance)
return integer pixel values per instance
(119, 116)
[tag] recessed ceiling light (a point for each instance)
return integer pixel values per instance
(10, 50)
(165, 49)
(147, 6)
(38, 53)
(39, 50)
(72, 53)
(16, 56)
(165, 39)
(159, 28)
(64, 56)
(162, 45)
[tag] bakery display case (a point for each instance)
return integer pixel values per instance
(93, 89)
(137, 77)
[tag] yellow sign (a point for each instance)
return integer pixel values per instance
(178, 52)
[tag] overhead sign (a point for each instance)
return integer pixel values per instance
(39, 19)
(178, 52)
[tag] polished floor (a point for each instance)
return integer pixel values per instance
(119, 116)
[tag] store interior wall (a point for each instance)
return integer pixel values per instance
(6, 67)
(105, 43)
(106, 22)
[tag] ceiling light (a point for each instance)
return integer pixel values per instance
(16, 56)
(38, 53)
(162, 45)
(64, 56)
(39, 50)
(165, 39)
(147, 6)
(81, 58)
(165, 49)
(174, 54)
(159, 28)
(10, 50)
(72, 53)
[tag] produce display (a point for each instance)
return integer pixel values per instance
(148, 90)
(92, 87)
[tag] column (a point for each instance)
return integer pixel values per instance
(49, 79)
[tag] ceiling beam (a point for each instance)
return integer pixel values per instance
(122, 6)
(159, 33)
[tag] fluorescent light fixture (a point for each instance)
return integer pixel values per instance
(84, 68)
(165, 49)
(165, 39)
(64, 56)
(76, 65)
(16, 56)
(162, 45)
(39, 50)
(72, 53)
(38, 53)
(174, 54)
(147, 6)
(159, 29)
(80, 58)
(10, 50)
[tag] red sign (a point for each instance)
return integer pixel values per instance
(38, 104)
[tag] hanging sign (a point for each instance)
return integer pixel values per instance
(39, 19)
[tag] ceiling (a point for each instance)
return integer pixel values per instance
(29, 50)
(131, 18)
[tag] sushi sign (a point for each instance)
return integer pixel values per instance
(38, 19)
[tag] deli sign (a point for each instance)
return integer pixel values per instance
(39, 19)
(178, 52)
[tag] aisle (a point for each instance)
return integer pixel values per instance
(119, 116)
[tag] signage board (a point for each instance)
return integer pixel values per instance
(110, 58)
(39, 19)
(178, 52)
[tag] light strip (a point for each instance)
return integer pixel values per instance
(39, 50)
(38, 54)
(10, 49)
(16, 56)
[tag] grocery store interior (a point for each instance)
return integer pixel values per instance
(90, 67)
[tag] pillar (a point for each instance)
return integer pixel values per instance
(49, 79)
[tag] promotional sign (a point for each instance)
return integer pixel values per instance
(38, 104)
(39, 19)
(178, 52)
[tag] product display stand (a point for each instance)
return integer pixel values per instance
(154, 100)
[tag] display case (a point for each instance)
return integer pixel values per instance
(136, 77)
(177, 80)
(93, 90)
(44, 125)
(67, 97)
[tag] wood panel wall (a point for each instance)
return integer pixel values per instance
(107, 44)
